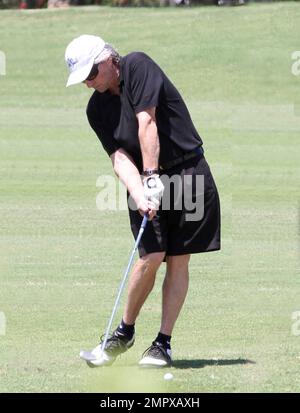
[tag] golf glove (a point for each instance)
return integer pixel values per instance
(153, 189)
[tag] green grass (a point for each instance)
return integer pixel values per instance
(61, 259)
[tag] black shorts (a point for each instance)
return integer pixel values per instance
(188, 220)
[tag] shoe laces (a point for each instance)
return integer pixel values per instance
(113, 341)
(156, 350)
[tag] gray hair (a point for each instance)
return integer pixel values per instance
(107, 52)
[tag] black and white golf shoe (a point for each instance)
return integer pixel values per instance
(117, 344)
(156, 356)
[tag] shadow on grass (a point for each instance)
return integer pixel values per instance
(199, 364)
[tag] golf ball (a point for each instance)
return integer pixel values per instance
(168, 376)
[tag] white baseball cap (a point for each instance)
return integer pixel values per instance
(80, 56)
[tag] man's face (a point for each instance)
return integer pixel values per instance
(104, 79)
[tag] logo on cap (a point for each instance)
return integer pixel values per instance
(71, 63)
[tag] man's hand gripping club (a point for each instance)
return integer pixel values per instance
(153, 192)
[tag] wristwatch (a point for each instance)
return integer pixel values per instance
(149, 172)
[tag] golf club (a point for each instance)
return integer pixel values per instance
(98, 357)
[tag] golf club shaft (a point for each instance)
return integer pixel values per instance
(143, 226)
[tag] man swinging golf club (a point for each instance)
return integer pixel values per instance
(145, 128)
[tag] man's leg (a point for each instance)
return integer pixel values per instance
(175, 288)
(140, 284)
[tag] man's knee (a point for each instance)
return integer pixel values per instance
(152, 260)
(178, 262)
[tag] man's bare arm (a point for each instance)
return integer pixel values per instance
(128, 173)
(148, 138)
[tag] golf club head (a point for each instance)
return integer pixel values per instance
(103, 360)
(96, 357)
(86, 355)
(91, 355)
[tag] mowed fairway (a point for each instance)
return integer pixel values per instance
(62, 259)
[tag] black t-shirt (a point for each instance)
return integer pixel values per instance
(103, 112)
(143, 85)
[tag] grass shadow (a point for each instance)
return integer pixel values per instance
(199, 364)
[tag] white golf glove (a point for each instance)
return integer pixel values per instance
(153, 189)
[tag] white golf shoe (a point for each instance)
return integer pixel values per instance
(156, 356)
(116, 344)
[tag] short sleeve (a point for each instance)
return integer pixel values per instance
(146, 82)
(104, 130)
